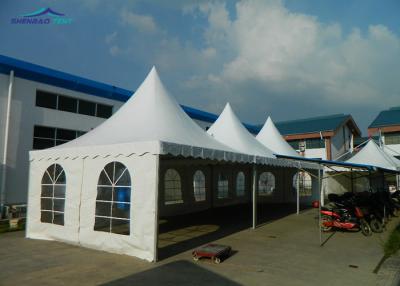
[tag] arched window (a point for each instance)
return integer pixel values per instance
(223, 186)
(113, 201)
(303, 182)
(52, 197)
(266, 184)
(172, 187)
(199, 186)
(240, 184)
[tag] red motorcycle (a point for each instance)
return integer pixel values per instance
(344, 218)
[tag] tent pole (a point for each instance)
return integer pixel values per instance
(351, 180)
(297, 193)
(254, 193)
(319, 206)
(155, 259)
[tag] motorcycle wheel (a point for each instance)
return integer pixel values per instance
(376, 225)
(326, 219)
(365, 228)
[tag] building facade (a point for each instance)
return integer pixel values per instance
(387, 126)
(48, 108)
(326, 137)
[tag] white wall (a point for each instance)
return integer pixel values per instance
(24, 115)
(315, 153)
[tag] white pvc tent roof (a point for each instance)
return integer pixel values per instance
(228, 130)
(152, 121)
(372, 154)
(270, 137)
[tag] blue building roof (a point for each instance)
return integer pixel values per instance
(387, 118)
(53, 77)
(313, 124)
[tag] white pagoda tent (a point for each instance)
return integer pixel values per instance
(270, 137)
(101, 189)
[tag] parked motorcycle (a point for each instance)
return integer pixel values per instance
(343, 216)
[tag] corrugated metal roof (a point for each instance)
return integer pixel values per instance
(312, 125)
(387, 118)
(57, 78)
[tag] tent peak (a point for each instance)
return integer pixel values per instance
(270, 137)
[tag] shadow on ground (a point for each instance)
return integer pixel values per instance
(181, 233)
(189, 274)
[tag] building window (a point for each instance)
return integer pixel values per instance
(392, 138)
(52, 197)
(71, 104)
(47, 137)
(303, 183)
(199, 186)
(87, 108)
(223, 186)
(113, 201)
(240, 184)
(266, 184)
(315, 143)
(294, 144)
(172, 187)
(46, 99)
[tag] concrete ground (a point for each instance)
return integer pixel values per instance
(283, 252)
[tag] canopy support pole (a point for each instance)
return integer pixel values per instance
(254, 194)
(321, 195)
(297, 193)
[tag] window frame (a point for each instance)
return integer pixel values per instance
(263, 189)
(222, 186)
(54, 182)
(199, 189)
(304, 191)
(114, 188)
(176, 187)
(240, 192)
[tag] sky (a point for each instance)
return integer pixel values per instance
(285, 59)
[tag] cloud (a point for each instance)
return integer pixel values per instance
(143, 23)
(268, 60)
(280, 60)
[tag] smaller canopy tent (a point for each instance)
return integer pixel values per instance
(372, 154)
(270, 137)
(75, 189)
(230, 131)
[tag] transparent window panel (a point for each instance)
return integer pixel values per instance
(123, 179)
(47, 191)
(103, 209)
(59, 205)
(103, 179)
(58, 218)
(104, 193)
(61, 178)
(59, 191)
(120, 226)
(46, 204)
(122, 194)
(109, 168)
(46, 217)
(102, 224)
(121, 210)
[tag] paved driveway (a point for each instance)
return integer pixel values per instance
(283, 252)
